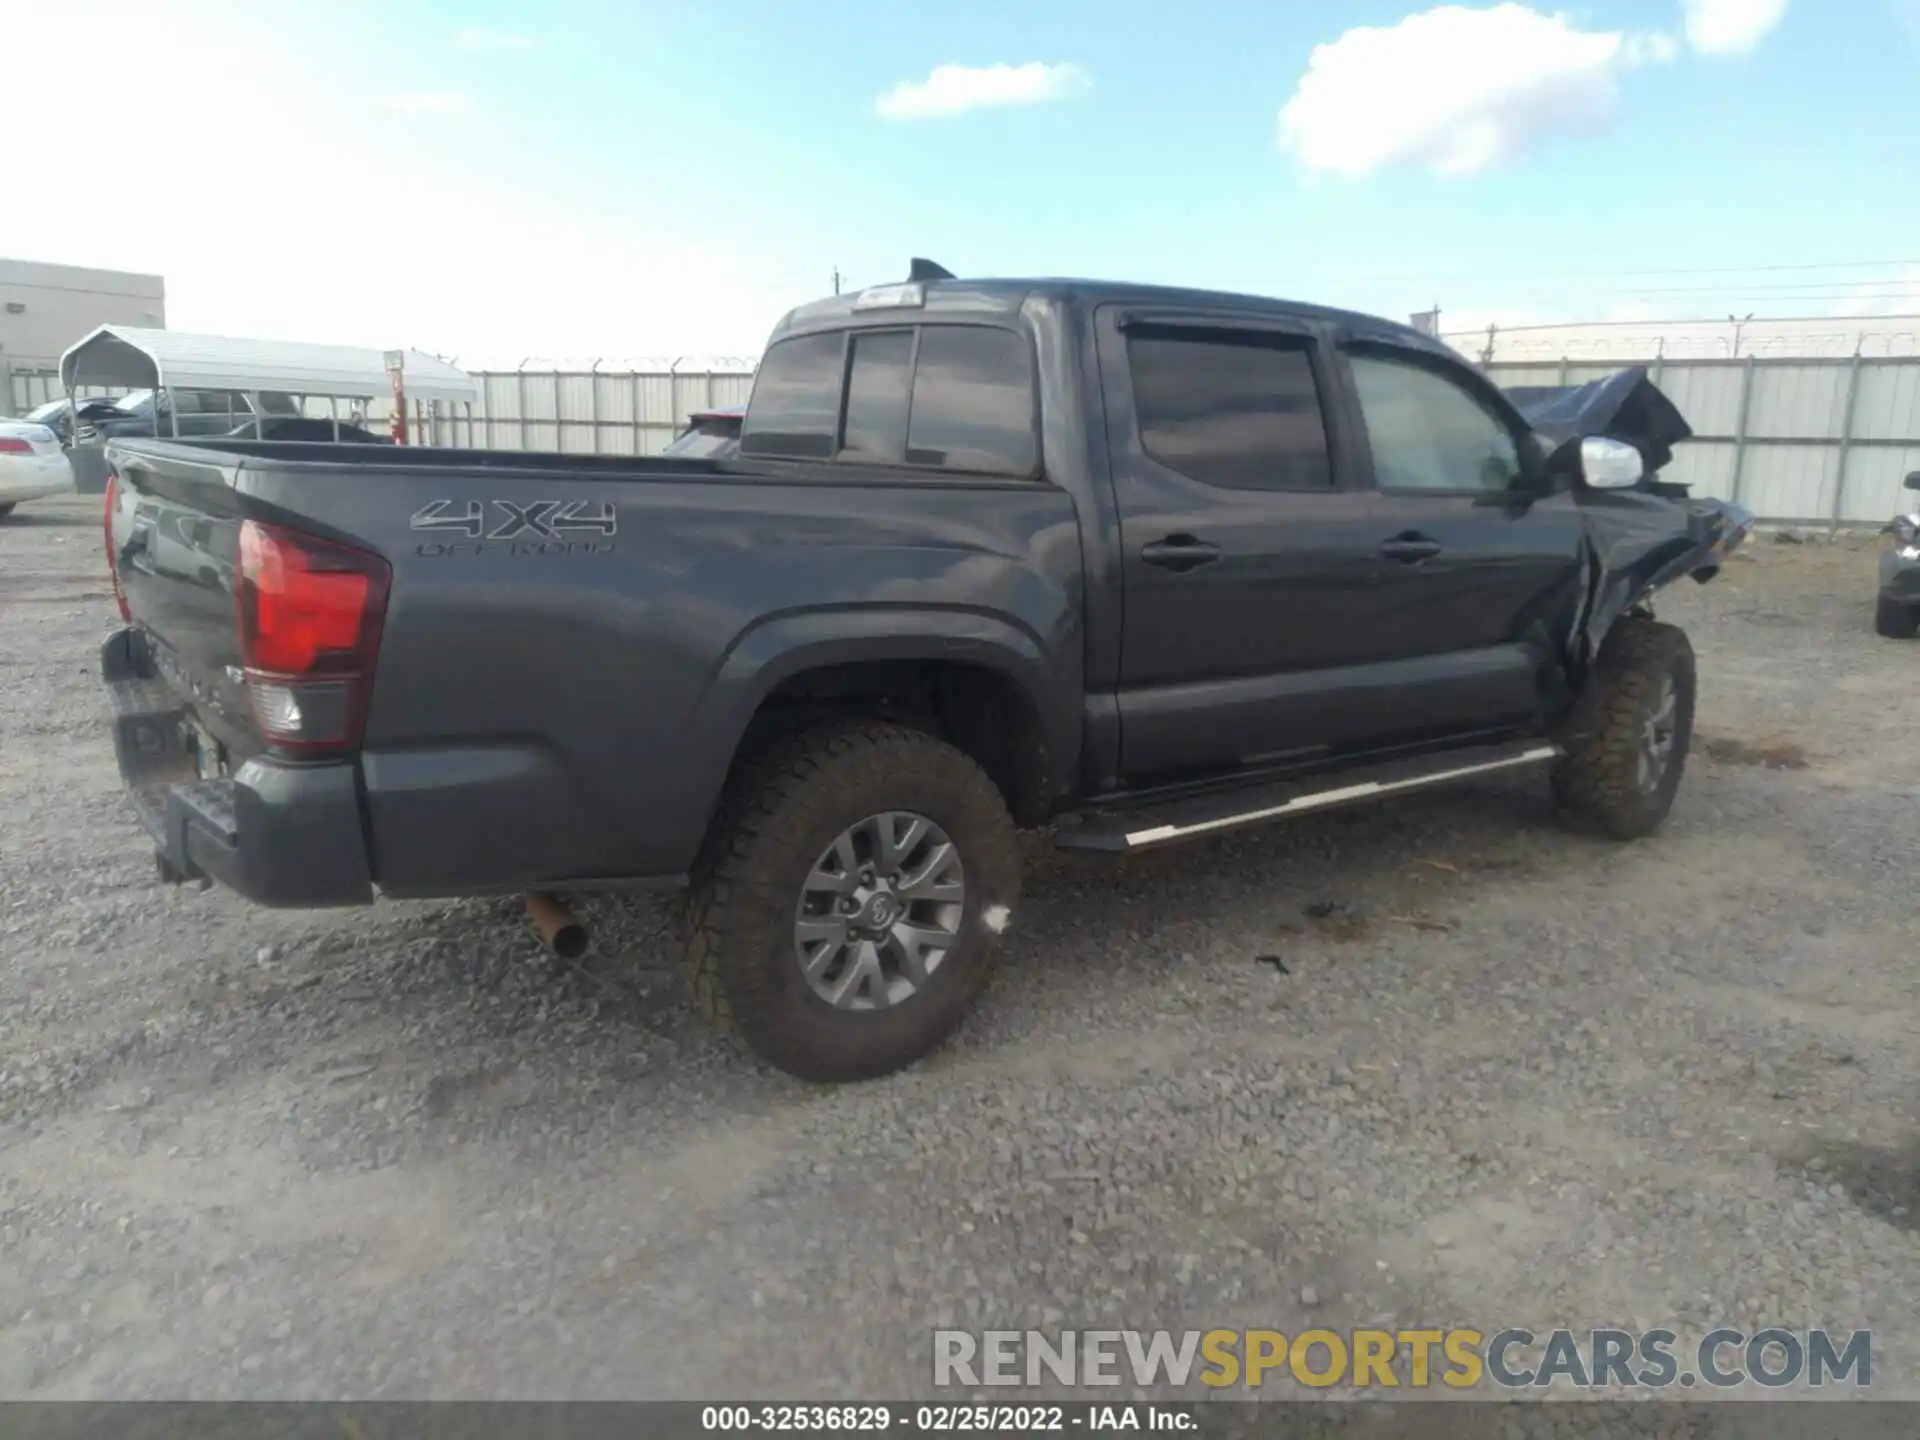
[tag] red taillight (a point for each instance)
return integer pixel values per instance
(310, 613)
(14, 445)
(113, 560)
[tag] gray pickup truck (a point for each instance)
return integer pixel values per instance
(1133, 563)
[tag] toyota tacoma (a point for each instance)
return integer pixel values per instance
(1136, 565)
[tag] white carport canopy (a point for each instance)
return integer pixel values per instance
(124, 355)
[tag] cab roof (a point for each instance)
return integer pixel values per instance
(1002, 299)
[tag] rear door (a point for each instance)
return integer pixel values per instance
(1249, 554)
(1481, 561)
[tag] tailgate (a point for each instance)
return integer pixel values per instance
(174, 532)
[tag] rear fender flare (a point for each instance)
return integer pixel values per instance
(781, 647)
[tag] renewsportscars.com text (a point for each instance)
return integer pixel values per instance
(1415, 1359)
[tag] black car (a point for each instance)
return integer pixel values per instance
(59, 415)
(1896, 614)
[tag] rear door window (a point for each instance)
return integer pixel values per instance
(1240, 412)
(973, 401)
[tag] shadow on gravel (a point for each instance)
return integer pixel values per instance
(1884, 1181)
(67, 517)
(1770, 755)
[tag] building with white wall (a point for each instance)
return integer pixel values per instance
(45, 308)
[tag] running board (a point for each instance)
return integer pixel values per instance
(1144, 826)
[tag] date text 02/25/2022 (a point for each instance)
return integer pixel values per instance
(948, 1419)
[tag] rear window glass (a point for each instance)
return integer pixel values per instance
(879, 389)
(795, 409)
(962, 399)
(973, 401)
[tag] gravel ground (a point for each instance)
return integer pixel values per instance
(1500, 1075)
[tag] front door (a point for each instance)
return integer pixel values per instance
(1249, 558)
(1482, 562)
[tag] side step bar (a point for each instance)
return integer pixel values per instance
(1141, 827)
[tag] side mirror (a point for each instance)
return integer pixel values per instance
(1913, 480)
(1610, 464)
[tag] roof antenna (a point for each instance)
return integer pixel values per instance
(920, 269)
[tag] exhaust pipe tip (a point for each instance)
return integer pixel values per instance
(559, 931)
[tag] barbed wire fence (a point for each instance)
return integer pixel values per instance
(1494, 345)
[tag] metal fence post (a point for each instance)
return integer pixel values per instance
(593, 403)
(522, 373)
(1846, 438)
(639, 397)
(1565, 364)
(1740, 431)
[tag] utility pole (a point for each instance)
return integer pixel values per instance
(836, 279)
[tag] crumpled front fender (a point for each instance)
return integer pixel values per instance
(1640, 542)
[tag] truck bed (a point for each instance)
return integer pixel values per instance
(572, 645)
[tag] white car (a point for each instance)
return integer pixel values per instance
(32, 465)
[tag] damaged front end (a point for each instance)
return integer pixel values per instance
(1642, 533)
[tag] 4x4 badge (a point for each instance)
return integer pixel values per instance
(547, 519)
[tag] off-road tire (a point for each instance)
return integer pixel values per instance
(1896, 619)
(783, 811)
(1597, 782)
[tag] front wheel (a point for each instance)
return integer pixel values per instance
(1896, 620)
(1618, 778)
(852, 905)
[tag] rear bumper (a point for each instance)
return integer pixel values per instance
(281, 834)
(34, 477)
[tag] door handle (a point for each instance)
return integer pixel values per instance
(1411, 548)
(1179, 552)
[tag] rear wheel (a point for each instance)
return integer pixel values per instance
(7, 509)
(1620, 776)
(1897, 620)
(852, 904)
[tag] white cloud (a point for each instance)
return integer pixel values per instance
(425, 102)
(1730, 27)
(1654, 49)
(443, 245)
(956, 89)
(481, 40)
(1455, 90)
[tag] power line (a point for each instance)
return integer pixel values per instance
(1428, 275)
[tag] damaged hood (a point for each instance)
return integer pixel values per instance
(1645, 538)
(1625, 406)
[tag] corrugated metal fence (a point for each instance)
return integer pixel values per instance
(592, 412)
(1820, 441)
